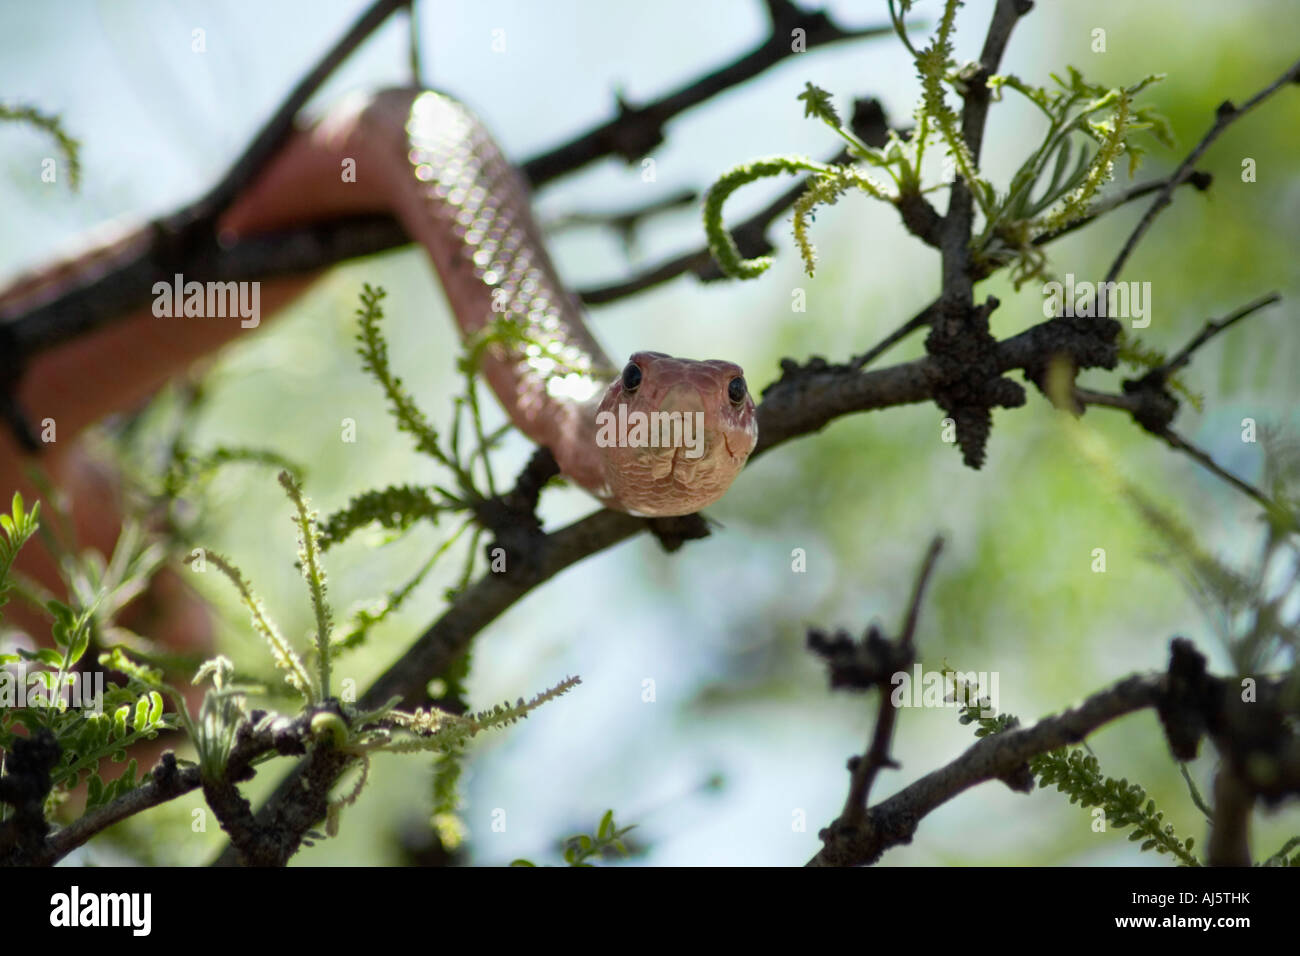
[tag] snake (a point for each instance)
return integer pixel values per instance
(662, 436)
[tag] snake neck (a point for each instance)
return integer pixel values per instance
(427, 159)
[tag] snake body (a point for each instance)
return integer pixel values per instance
(427, 159)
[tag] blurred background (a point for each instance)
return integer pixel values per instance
(741, 741)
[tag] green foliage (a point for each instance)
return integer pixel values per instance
(190, 471)
(1053, 188)
(1136, 354)
(1079, 775)
(384, 729)
(606, 841)
(221, 714)
(399, 508)
(971, 708)
(720, 241)
(423, 730)
(127, 714)
(17, 527)
(374, 359)
(933, 64)
(69, 147)
(90, 719)
(396, 507)
(365, 618)
(445, 819)
(1245, 606)
(432, 730)
(1038, 203)
(309, 549)
(1280, 857)
(282, 653)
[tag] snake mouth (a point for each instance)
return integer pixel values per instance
(678, 454)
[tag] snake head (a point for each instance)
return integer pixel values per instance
(674, 433)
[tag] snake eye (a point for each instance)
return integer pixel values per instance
(736, 390)
(631, 377)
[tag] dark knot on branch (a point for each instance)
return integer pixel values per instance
(971, 384)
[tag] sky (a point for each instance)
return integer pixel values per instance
(714, 630)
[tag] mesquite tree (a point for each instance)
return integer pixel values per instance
(297, 700)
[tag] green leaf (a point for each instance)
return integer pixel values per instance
(80, 641)
(817, 103)
(119, 720)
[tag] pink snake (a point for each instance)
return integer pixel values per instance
(427, 160)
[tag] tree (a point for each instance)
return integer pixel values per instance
(991, 230)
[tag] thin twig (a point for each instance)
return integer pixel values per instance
(868, 123)
(1213, 328)
(918, 321)
(277, 128)
(750, 236)
(1199, 180)
(1203, 458)
(958, 282)
(925, 316)
(623, 221)
(877, 755)
(918, 593)
(634, 131)
(1132, 403)
(144, 797)
(1195, 793)
(1224, 117)
(413, 44)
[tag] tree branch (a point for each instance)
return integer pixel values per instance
(1224, 117)
(1198, 180)
(286, 736)
(895, 820)
(958, 282)
(115, 279)
(634, 131)
(877, 757)
(868, 123)
(1213, 328)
